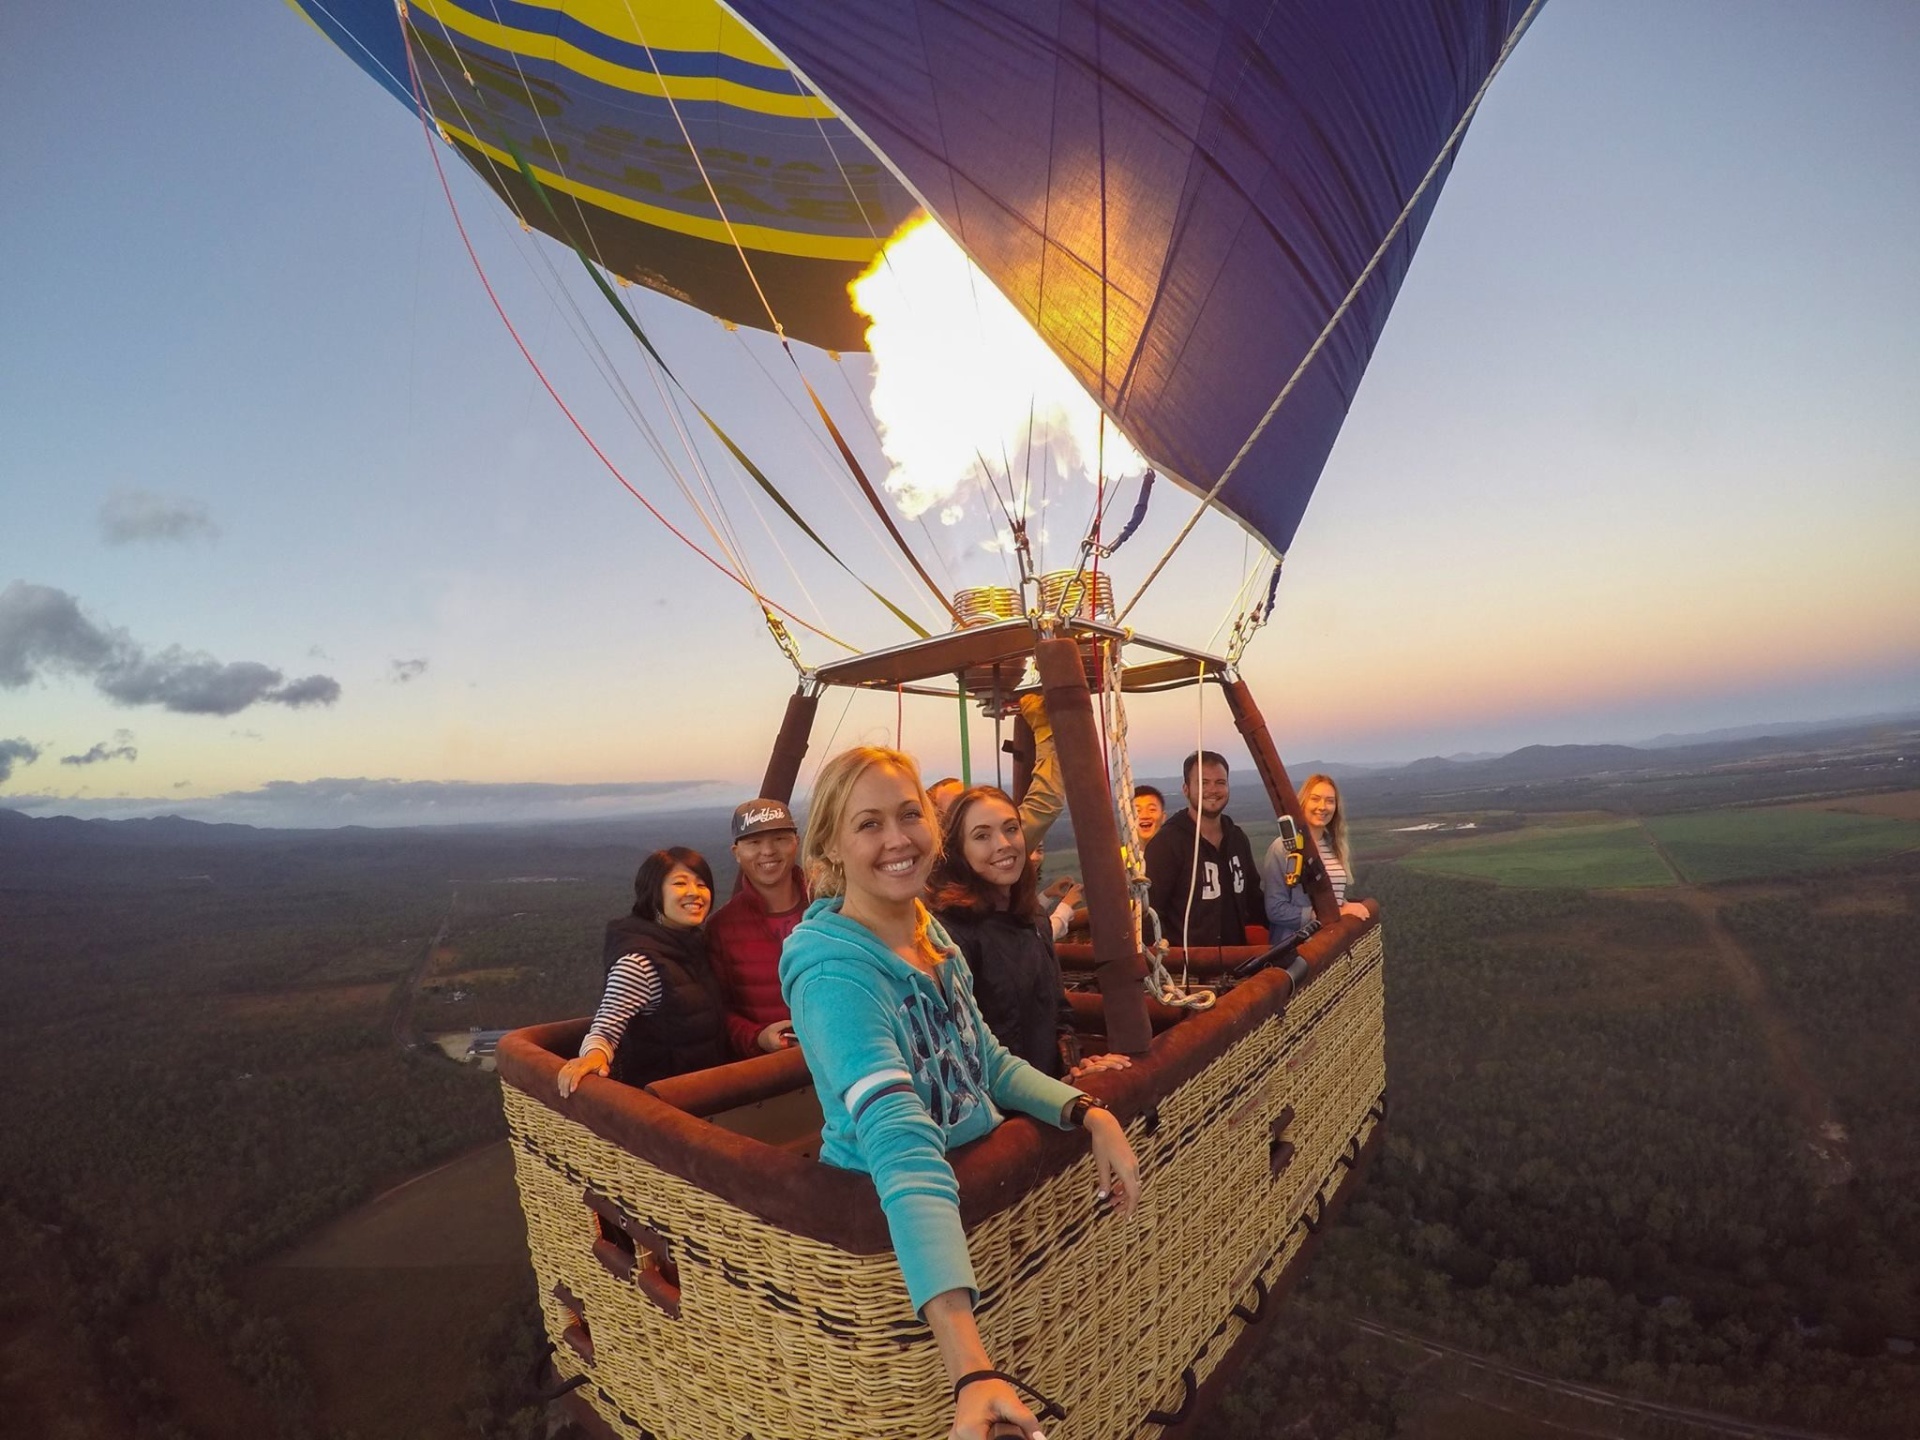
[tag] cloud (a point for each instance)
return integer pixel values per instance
(402, 671)
(43, 631)
(325, 804)
(119, 748)
(130, 516)
(14, 752)
(313, 690)
(43, 626)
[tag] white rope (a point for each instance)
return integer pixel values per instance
(558, 295)
(1353, 293)
(1133, 853)
(1158, 979)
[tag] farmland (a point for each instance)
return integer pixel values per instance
(1610, 855)
(1707, 847)
(1778, 840)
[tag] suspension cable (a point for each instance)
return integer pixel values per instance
(726, 440)
(718, 519)
(1353, 293)
(846, 452)
(426, 130)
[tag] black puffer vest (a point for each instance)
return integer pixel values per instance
(689, 1030)
(1016, 983)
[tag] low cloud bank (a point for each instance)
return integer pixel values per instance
(44, 633)
(326, 804)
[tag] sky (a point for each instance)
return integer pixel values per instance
(291, 533)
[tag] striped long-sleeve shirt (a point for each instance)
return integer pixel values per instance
(1336, 872)
(633, 988)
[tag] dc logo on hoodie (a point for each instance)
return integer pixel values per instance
(945, 1055)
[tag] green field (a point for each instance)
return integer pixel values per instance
(1705, 847)
(1748, 844)
(1607, 856)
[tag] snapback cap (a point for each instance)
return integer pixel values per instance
(756, 817)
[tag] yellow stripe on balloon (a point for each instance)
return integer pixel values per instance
(701, 26)
(856, 248)
(621, 77)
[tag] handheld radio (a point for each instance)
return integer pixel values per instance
(1295, 847)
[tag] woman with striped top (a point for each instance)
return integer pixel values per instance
(661, 1012)
(1289, 910)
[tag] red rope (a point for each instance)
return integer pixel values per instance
(413, 76)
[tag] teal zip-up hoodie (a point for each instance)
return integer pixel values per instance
(905, 1069)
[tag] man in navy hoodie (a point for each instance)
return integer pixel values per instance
(1225, 885)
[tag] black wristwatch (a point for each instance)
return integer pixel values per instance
(1077, 1110)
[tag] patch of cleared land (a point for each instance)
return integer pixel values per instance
(389, 1304)
(1718, 845)
(318, 1003)
(1901, 804)
(1615, 855)
(388, 1308)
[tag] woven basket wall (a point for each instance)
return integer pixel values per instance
(781, 1337)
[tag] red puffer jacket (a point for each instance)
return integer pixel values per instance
(743, 942)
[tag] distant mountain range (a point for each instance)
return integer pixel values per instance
(1732, 767)
(1379, 788)
(1780, 731)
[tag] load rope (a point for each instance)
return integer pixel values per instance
(1133, 851)
(627, 318)
(1346, 304)
(714, 521)
(846, 453)
(426, 130)
(1249, 623)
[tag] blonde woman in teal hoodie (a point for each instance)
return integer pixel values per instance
(904, 1066)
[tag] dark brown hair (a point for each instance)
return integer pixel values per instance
(1197, 759)
(651, 878)
(955, 886)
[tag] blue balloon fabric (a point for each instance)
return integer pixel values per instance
(1178, 196)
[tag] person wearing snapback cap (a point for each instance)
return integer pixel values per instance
(745, 934)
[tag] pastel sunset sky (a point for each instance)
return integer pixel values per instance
(1639, 451)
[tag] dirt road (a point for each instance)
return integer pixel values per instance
(1824, 1136)
(400, 1004)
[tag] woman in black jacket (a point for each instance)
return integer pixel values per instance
(984, 894)
(661, 1013)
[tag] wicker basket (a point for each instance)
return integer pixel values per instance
(755, 1320)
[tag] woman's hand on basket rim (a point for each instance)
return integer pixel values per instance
(1094, 1064)
(577, 1069)
(1356, 910)
(1114, 1162)
(989, 1407)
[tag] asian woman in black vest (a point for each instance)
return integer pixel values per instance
(661, 1013)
